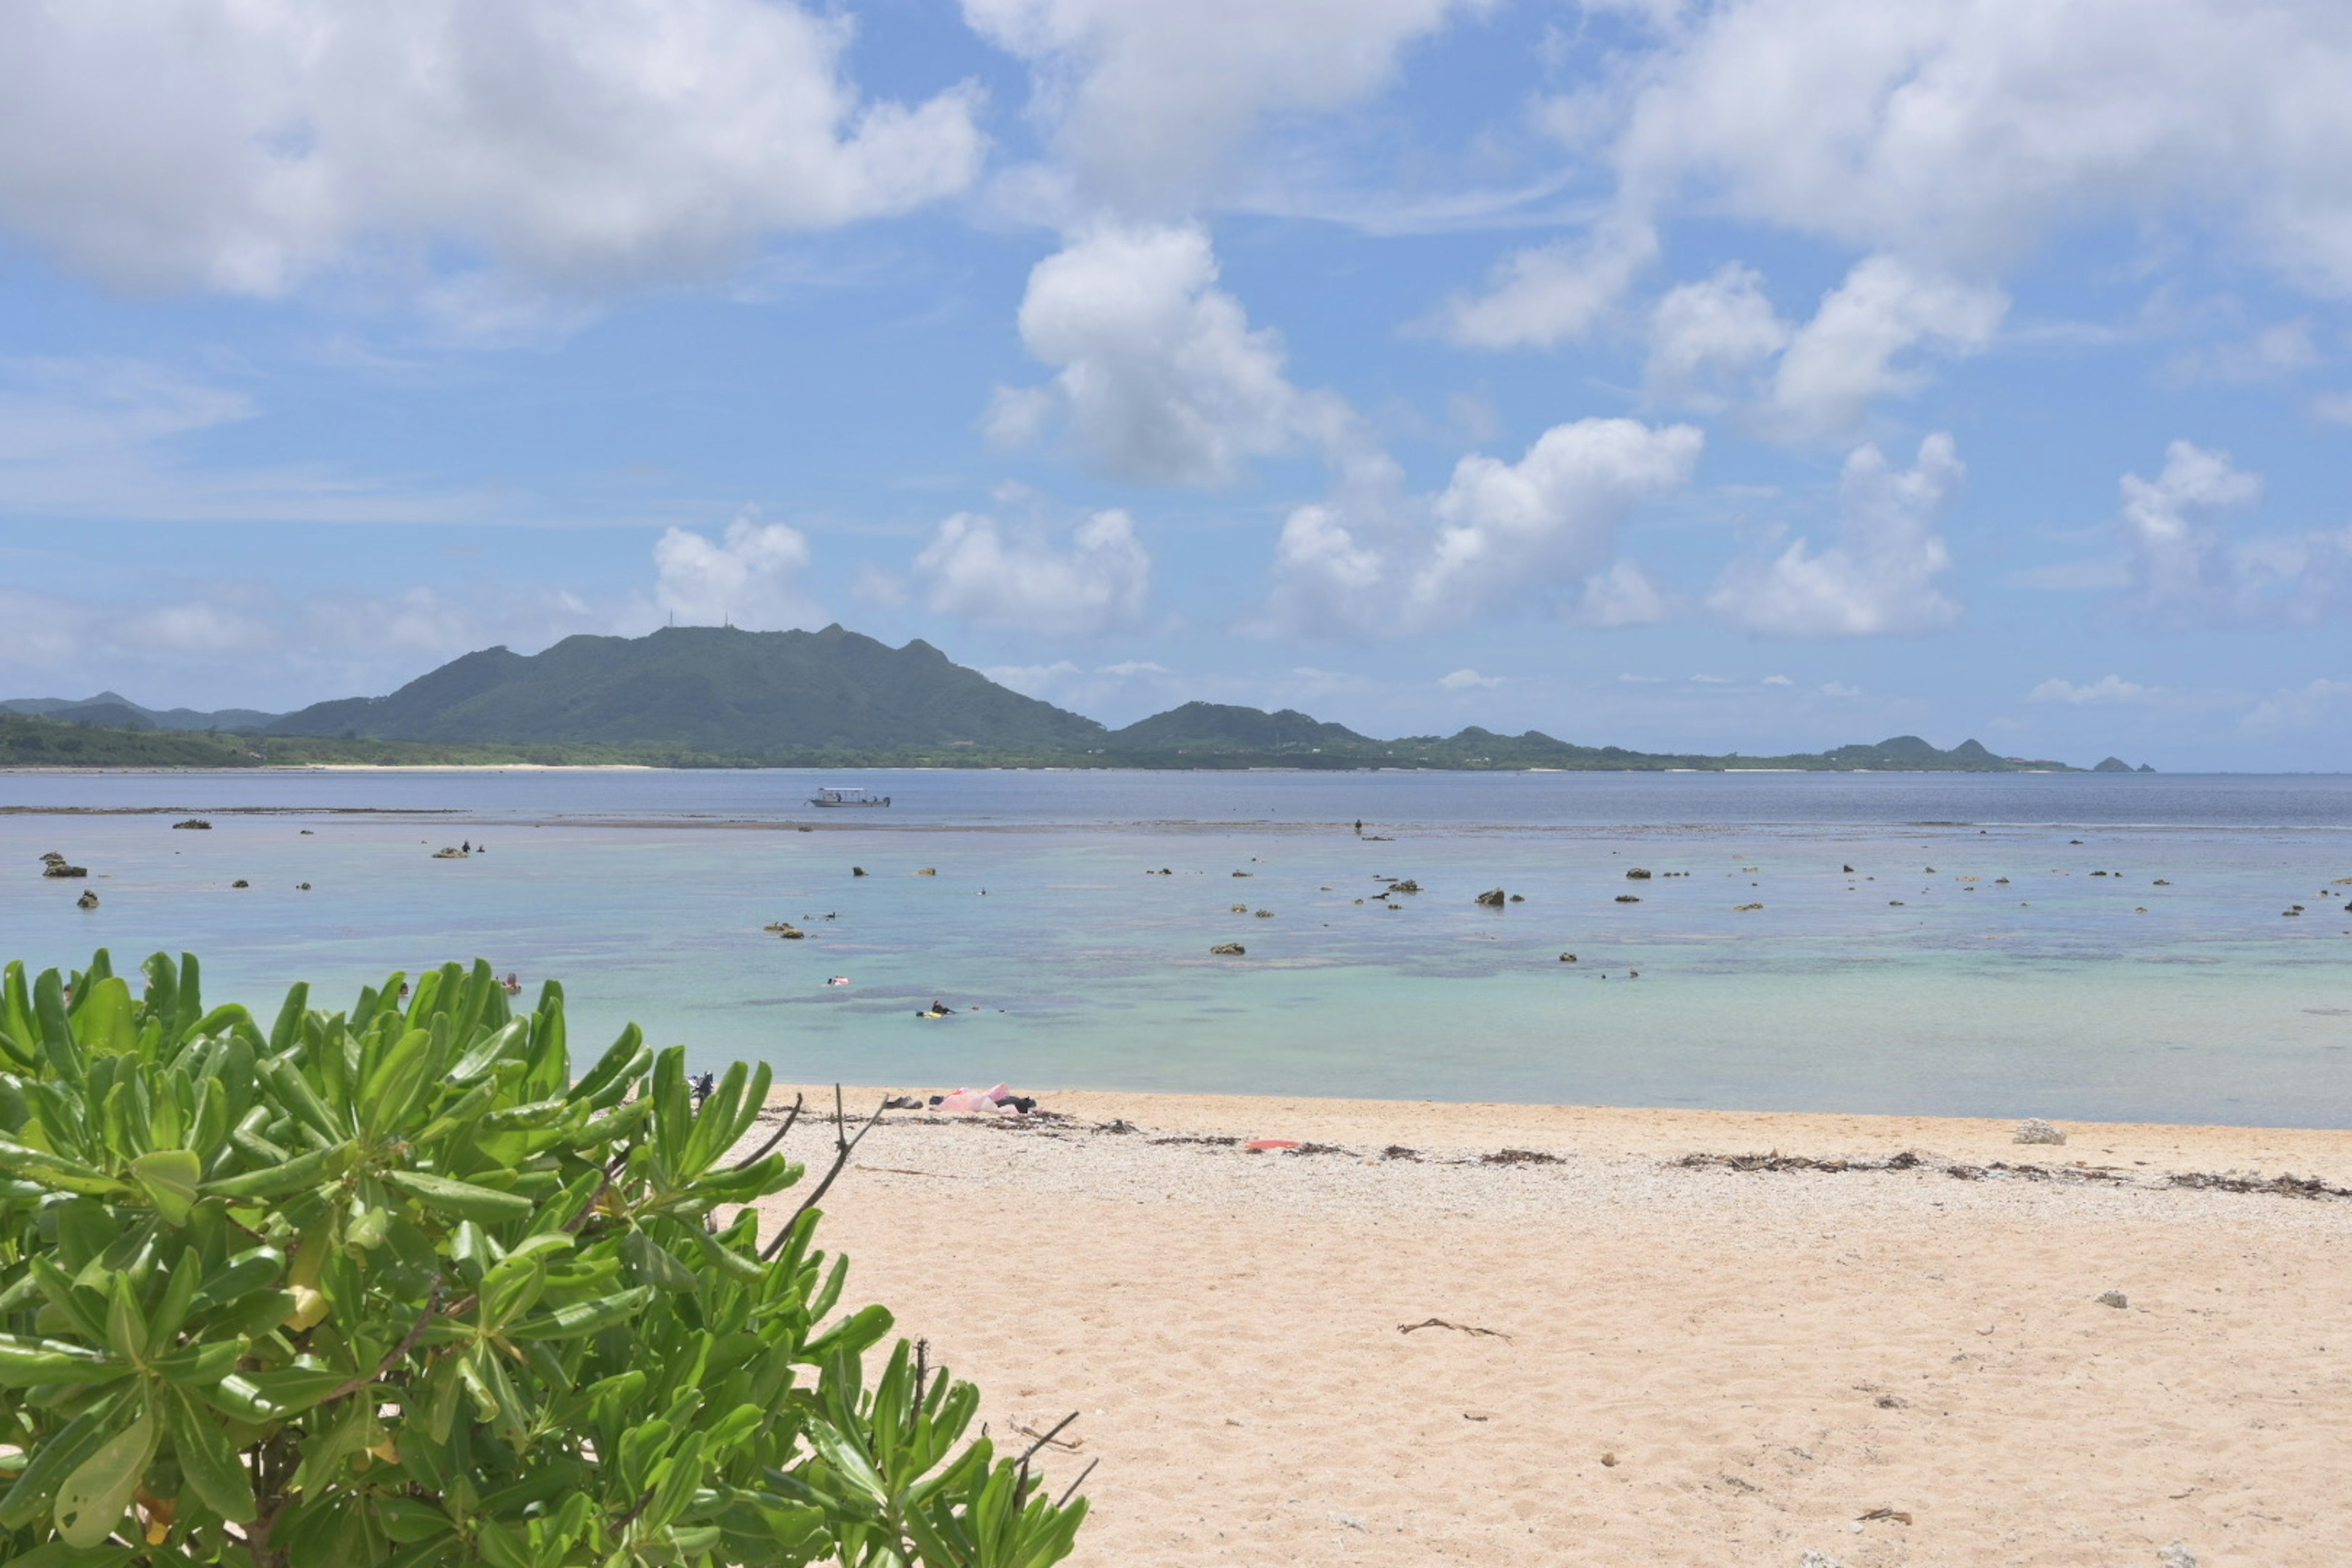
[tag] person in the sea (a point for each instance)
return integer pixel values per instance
(703, 1084)
(1360, 827)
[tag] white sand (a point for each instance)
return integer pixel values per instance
(1766, 1355)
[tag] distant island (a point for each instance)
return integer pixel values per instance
(717, 697)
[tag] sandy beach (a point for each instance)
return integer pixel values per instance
(1504, 1334)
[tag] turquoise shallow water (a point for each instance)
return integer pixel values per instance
(2059, 994)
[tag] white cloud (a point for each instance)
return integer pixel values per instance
(973, 570)
(1149, 104)
(751, 578)
(1707, 338)
(1548, 294)
(1370, 560)
(2301, 707)
(1880, 576)
(1839, 688)
(1842, 359)
(1158, 371)
(1622, 595)
(1469, 679)
(244, 148)
(2185, 570)
(1961, 132)
(2106, 689)
(1776, 680)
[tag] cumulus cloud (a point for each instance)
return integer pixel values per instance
(1707, 338)
(1948, 131)
(978, 571)
(1158, 371)
(1469, 680)
(1845, 357)
(1881, 574)
(1622, 595)
(1957, 136)
(1718, 344)
(749, 578)
(1370, 560)
(2106, 689)
(1550, 294)
(1148, 103)
(2185, 570)
(244, 148)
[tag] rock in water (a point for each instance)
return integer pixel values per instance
(1627, 898)
(1227, 950)
(192, 822)
(1636, 874)
(1493, 897)
(858, 870)
(89, 899)
(2033, 1130)
(240, 882)
(1568, 958)
(929, 871)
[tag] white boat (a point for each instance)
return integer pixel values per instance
(829, 796)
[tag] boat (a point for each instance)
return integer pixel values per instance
(831, 796)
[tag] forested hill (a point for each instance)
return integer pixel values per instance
(714, 690)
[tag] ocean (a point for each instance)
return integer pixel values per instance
(1974, 961)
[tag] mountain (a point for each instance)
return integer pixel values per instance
(1217, 727)
(711, 688)
(715, 696)
(112, 711)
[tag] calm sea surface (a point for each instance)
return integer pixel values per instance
(1972, 963)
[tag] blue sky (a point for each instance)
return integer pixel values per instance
(1753, 375)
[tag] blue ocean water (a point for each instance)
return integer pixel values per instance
(2175, 988)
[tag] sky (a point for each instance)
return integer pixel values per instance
(1759, 375)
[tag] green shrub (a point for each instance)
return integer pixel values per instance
(394, 1287)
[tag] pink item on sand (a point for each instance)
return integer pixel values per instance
(1260, 1146)
(969, 1099)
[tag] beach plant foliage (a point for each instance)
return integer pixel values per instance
(401, 1285)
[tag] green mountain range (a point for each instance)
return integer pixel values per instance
(708, 696)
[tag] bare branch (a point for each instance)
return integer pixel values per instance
(1063, 1500)
(765, 1150)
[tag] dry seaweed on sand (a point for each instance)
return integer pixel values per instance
(2285, 1184)
(1519, 1157)
(1214, 1140)
(1776, 1160)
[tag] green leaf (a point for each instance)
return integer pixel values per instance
(54, 1460)
(462, 1200)
(302, 1171)
(101, 1018)
(24, 1362)
(207, 1463)
(170, 1177)
(91, 1500)
(582, 1318)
